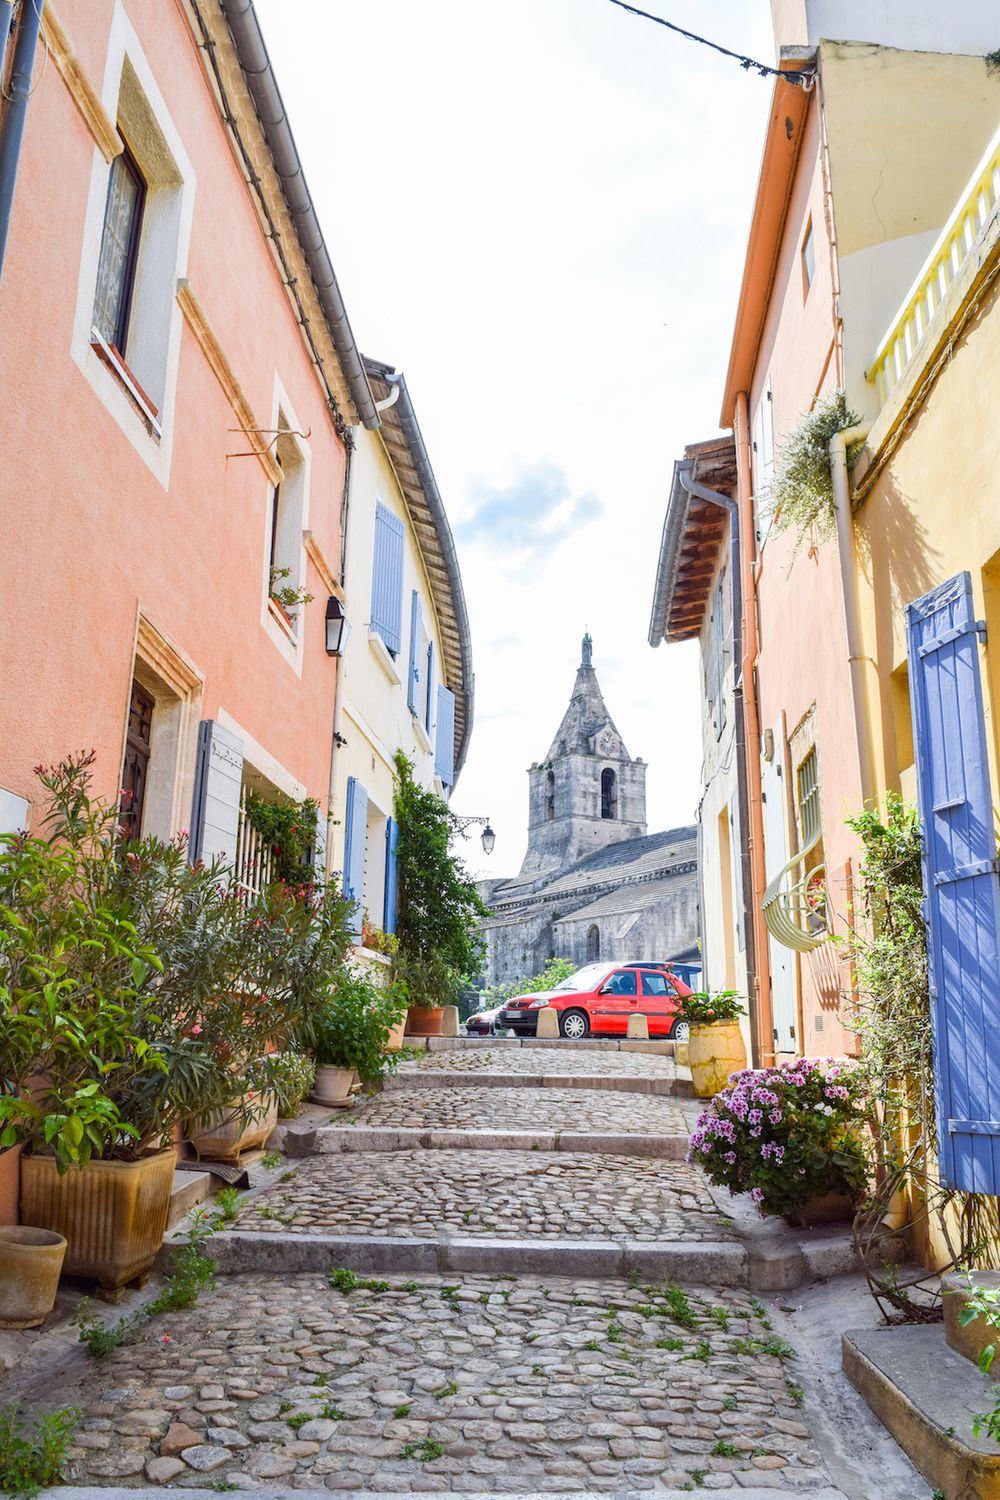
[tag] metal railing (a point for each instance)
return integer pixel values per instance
(953, 247)
(790, 910)
(254, 860)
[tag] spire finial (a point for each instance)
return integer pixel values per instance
(588, 648)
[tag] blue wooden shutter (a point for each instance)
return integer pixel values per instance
(444, 753)
(215, 812)
(415, 670)
(961, 890)
(387, 578)
(391, 875)
(356, 831)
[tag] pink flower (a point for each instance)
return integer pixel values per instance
(195, 1031)
(166, 1339)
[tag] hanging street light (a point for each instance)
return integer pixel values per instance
(338, 627)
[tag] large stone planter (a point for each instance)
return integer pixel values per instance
(113, 1214)
(714, 1052)
(424, 1020)
(971, 1340)
(30, 1262)
(224, 1134)
(332, 1085)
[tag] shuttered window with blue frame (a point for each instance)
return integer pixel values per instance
(961, 887)
(356, 833)
(391, 875)
(387, 579)
(444, 750)
(419, 695)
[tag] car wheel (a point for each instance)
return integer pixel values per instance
(681, 1032)
(574, 1025)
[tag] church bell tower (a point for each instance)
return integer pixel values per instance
(588, 792)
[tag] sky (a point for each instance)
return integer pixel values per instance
(538, 210)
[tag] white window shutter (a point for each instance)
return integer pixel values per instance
(218, 780)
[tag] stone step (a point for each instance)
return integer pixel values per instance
(655, 1047)
(189, 1189)
(432, 1078)
(926, 1394)
(237, 1252)
(155, 1492)
(333, 1140)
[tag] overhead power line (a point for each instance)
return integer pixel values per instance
(803, 76)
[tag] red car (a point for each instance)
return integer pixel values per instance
(599, 998)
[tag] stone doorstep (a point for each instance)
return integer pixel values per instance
(716, 1263)
(188, 1190)
(483, 1043)
(924, 1394)
(156, 1492)
(426, 1078)
(332, 1141)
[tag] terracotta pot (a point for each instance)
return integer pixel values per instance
(714, 1052)
(396, 1034)
(10, 1184)
(824, 1208)
(222, 1135)
(30, 1263)
(333, 1085)
(424, 1020)
(112, 1213)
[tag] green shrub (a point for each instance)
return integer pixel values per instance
(801, 493)
(352, 1028)
(31, 1460)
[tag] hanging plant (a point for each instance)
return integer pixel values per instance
(801, 491)
(289, 831)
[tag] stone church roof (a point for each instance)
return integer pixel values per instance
(586, 715)
(613, 871)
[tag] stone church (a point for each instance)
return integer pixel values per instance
(594, 884)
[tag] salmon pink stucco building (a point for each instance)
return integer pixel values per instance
(180, 382)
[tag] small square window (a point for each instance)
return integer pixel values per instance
(808, 259)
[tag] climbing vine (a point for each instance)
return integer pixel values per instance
(892, 1019)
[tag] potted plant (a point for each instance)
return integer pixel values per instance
(437, 905)
(715, 1042)
(350, 1034)
(31, 1261)
(791, 1137)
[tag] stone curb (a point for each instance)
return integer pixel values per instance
(593, 1044)
(332, 1140)
(235, 1252)
(155, 1492)
(427, 1078)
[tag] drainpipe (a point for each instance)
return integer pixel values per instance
(755, 807)
(12, 126)
(724, 502)
(839, 444)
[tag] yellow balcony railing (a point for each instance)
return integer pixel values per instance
(953, 247)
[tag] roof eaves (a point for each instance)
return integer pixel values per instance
(248, 40)
(782, 143)
(404, 443)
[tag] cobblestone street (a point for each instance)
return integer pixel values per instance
(509, 1193)
(496, 1109)
(508, 1385)
(301, 1372)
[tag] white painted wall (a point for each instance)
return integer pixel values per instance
(374, 716)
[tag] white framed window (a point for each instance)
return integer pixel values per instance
(763, 461)
(285, 523)
(127, 324)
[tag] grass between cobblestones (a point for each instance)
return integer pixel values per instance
(492, 1384)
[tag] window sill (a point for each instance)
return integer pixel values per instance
(283, 620)
(423, 738)
(109, 356)
(384, 657)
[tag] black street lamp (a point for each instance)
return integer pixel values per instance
(338, 627)
(489, 837)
